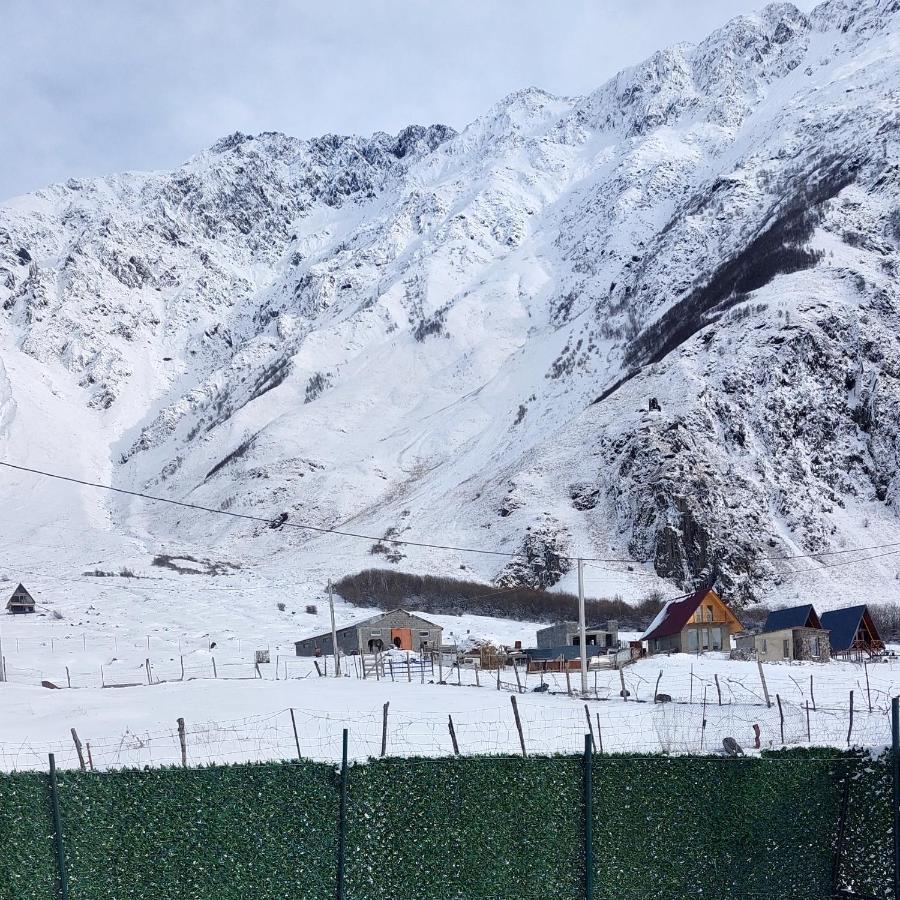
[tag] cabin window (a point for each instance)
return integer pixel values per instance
(814, 646)
(375, 632)
(591, 639)
(423, 634)
(709, 614)
(693, 639)
(786, 648)
(716, 638)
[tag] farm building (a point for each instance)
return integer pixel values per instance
(565, 634)
(398, 628)
(852, 632)
(792, 634)
(20, 601)
(701, 621)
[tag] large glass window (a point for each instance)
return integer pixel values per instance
(693, 639)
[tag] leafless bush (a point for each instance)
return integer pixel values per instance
(281, 606)
(312, 609)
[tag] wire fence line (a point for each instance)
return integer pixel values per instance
(546, 728)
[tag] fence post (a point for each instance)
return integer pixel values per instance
(895, 767)
(57, 827)
(342, 824)
(588, 820)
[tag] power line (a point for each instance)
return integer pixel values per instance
(318, 529)
(286, 523)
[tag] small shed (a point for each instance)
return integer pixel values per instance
(852, 633)
(20, 601)
(698, 622)
(794, 633)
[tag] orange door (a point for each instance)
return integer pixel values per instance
(401, 638)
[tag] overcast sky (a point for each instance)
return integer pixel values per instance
(98, 86)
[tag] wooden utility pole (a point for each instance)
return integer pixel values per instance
(582, 628)
(334, 643)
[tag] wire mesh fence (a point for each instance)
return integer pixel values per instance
(786, 824)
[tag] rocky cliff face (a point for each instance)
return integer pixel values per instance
(457, 336)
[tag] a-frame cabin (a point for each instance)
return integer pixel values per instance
(20, 601)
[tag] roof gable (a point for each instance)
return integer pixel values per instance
(844, 623)
(672, 618)
(21, 594)
(792, 617)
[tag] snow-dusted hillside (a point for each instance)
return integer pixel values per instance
(455, 336)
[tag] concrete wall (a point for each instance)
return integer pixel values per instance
(770, 645)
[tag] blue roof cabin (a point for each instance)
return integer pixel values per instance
(852, 632)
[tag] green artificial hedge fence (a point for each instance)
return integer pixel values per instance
(463, 828)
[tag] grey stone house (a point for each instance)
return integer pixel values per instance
(565, 634)
(793, 634)
(398, 628)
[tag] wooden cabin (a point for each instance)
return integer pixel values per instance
(852, 633)
(699, 622)
(795, 633)
(20, 601)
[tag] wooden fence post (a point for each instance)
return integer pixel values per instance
(656, 689)
(780, 718)
(68, 677)
(808, 731)
(182, 739)
(518, 680)
(453, 736)
(599, 735)
(90, 756)
(216, 674)
(868, 690)
(77, 741)
(718, 689)
(812, 696)
(850, 729)
(587, 715)
(518, 723)
(182, 668)
(622, 680)
(296, 739)
(762, 678)
(384, 728)
(565, 664)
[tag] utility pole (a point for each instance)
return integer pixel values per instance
(334, 643)
(582, 638)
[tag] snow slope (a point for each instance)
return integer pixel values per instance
(455, 337)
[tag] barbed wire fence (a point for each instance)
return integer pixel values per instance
(523, 727)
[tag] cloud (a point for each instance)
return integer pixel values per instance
(102, 86)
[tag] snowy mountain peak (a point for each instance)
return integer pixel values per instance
(655, 323)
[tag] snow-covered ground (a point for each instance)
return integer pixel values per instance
(240, 717)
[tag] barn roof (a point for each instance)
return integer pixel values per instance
(844, 623)
(792, 617)
(675, 615)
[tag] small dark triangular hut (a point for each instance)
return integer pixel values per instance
(20, 601)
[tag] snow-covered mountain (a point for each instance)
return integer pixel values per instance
(455, 337)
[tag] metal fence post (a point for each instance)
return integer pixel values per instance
(58, 832)
(895, 770)
(342, 824)
(588, 820)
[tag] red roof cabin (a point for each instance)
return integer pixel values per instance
(699, 622)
